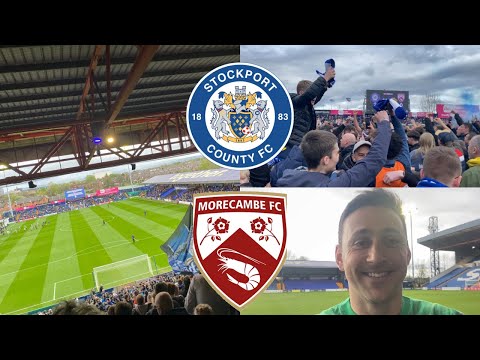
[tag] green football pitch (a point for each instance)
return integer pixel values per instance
(42, 265)
(310, 303)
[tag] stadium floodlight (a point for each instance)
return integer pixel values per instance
(123, 272)
(409, 209)
(110, 139)
(3, 167)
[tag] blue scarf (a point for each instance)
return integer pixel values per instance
(428, 182)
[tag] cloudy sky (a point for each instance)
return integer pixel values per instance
(313, 216)
(451, 71)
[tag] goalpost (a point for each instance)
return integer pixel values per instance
(123, 271)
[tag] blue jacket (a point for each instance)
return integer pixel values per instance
(428, 182)
(294, 160)
(404, 156)
(360, 175)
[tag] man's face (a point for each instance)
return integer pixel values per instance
(361, 153)
(412, 141)
(473, 151)
(332, 161)
(374, 255)
(462, 130)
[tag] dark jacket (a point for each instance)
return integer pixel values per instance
(294, 160)
(361, 175)
(304, 115)
(343, 155)
(347, 163)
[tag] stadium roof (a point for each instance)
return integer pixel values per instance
(310, 264)
(55, 99)
(214, 176)
(130, 187)
(455, 238)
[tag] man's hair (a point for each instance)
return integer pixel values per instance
(163, 303)
(140, 299)
(475, 141)
(315, 145)
(161, 286)
(350, 129)
(303, 85)
(377, 198)
(72, 307)
(203, 309)
(442, 164)
(123, 308)
(470, 135)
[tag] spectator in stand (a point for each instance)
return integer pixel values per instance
(471, 177)
(200, 292)
(245, 178)
(203, 309)
(163, 303)
(123, 308)
(72, 307)
(140, 307)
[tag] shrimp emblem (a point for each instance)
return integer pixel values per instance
(250, 271)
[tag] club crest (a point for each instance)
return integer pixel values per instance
(240, 116)
(239, 242)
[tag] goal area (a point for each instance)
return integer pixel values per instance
(121, 272)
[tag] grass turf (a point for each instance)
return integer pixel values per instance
(310, 303)
(42, 265)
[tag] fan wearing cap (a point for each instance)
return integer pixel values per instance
(360, 151)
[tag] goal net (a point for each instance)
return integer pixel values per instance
(122, 272)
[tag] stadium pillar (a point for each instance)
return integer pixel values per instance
(411, 239)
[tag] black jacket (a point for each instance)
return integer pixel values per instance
(304, 115)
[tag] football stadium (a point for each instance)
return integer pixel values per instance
(97, 190)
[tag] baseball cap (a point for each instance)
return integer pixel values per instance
(361, 143)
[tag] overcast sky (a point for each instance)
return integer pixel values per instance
(451, 71)
(313, 215)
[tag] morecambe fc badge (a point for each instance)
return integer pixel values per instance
(239, 242)
(240, 116)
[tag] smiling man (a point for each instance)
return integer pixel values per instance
(373, 252)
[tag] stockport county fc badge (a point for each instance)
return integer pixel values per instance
(239, 242)
(240, 116)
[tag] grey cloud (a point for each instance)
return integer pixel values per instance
(419, 69)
